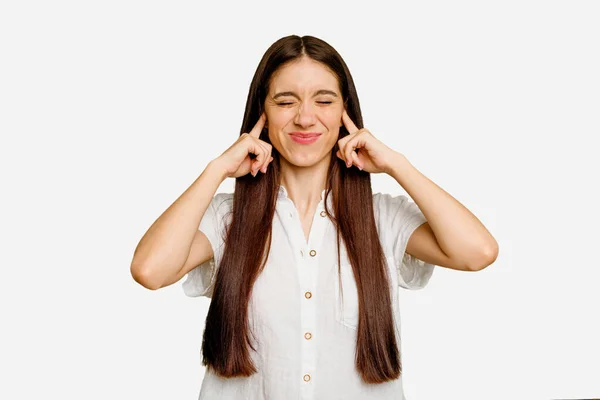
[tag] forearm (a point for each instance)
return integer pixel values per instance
(164, 248)
(459, 233)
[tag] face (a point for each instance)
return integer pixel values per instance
(304, 97)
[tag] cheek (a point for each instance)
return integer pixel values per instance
(280, 118)
(275, 142)
(332, 116)
(333, 120)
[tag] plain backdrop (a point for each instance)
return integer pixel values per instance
(110, 110)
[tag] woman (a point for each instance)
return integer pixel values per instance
(296, 258)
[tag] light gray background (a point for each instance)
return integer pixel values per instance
(109, 111)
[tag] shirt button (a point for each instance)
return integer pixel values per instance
(307, 335)
(323, 214)
(313, 253)
(308, 295)
(306, 378)
(291, 215)
(302, 253)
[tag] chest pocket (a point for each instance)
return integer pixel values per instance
(346, 303)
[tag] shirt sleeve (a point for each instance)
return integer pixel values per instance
(397, 218)
(200, 280)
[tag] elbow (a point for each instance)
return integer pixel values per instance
(142, 275)
(485, 259)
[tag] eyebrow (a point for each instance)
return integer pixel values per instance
(318, 92)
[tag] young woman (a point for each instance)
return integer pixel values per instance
(303, 262)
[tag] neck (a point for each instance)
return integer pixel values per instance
(304, 185)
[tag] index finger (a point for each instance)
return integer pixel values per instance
(260, 124)
(348, 123)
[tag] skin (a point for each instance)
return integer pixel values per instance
(304, 167)
(453, 237)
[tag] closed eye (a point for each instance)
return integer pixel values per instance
(320, 102)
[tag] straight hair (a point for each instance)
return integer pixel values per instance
(227, 340)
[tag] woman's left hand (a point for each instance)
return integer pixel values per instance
(373, 156)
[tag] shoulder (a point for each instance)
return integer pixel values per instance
(385, 204)
(222, 202)
(396, 214)
(220, 208)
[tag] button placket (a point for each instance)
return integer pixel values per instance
(307, 273)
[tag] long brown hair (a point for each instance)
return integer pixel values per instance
(226, 341)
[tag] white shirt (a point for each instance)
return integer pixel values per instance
(306, 337)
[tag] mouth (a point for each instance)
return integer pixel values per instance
(305, 137)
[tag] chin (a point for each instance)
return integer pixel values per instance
(305, 159)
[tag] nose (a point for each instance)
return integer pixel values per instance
(306, 116)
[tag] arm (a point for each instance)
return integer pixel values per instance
(452, 236)
(173, 245)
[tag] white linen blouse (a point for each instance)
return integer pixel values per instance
(306, 336)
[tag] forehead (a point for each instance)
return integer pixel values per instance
(304, 75)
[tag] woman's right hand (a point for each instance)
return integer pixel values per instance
(236, 159)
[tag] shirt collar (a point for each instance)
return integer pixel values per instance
(283, 193)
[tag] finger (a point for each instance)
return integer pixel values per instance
(263, 162)
(258, 127)
(357, 161)
(261, 158)
(260, 152)
(268, 158)
(348, 123)
(264, 169)
(341, 152)
(349, 149)
(342, 146)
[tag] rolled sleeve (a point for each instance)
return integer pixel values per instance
(397, 218)
(200, 280)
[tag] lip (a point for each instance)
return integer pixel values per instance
(305, 137)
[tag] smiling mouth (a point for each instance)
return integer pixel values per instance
(305, 139)
(305, 135)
